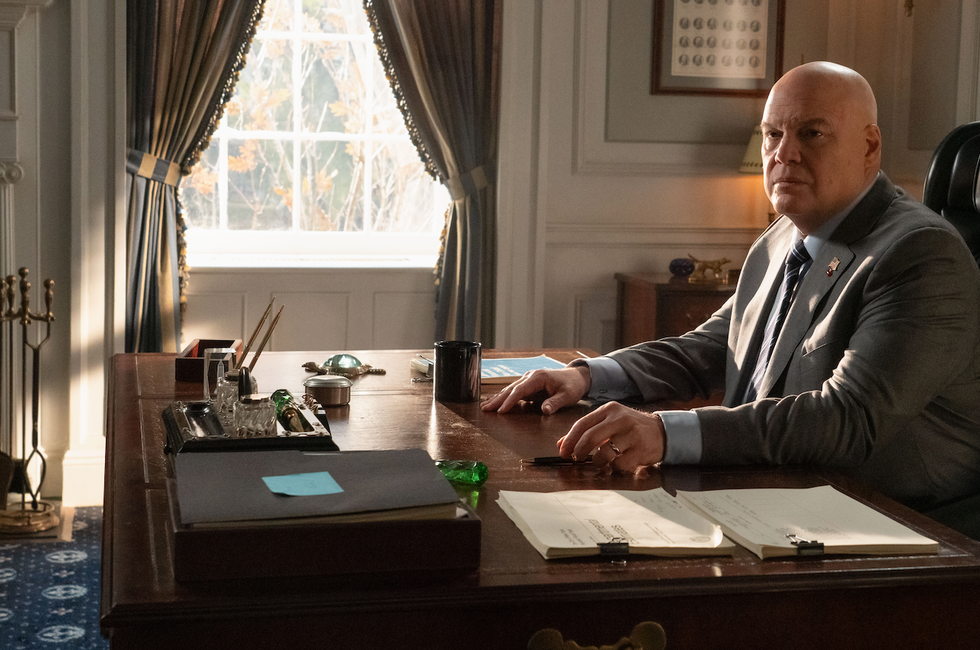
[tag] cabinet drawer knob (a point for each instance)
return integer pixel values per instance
(645, 636)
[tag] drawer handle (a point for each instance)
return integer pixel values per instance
(645, 636)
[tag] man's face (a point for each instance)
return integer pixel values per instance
(816, 150)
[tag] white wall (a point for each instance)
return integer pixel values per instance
(595, 179)
(36, 101)
(323, 309)
(64, 65)
(601, 205)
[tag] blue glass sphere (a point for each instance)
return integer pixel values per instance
(681, 267)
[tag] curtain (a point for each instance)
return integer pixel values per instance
(183, 59)
(443, 61)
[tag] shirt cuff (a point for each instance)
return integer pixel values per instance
(683, 432)
(610, 383)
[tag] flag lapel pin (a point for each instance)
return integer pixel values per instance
(834, 263)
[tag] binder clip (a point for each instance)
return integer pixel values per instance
(805, 546)
(616, 547)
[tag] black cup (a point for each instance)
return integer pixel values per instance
(457, 371)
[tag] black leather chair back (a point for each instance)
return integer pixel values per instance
(952, 186)
(952, 189)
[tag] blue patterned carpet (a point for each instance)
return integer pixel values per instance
(49, 591)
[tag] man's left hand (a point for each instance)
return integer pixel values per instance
(616, 435)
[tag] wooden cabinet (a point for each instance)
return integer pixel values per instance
(652, 305)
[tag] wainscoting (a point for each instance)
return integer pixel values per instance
(323, 309)
(580, 285)
(393, 308)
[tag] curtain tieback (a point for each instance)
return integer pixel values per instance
(150, 166)
(469, 183)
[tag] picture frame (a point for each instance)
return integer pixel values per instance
(717, 47)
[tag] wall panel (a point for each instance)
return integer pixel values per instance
(323, 309)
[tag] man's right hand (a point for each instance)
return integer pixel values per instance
(553, 388)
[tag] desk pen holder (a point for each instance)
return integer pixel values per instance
(189, 364)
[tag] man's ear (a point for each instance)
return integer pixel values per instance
(872, 139)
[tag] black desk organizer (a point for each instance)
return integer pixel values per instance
(195, 427)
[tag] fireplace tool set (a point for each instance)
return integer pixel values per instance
(29, 514)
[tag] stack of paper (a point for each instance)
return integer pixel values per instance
(768, 522)
(772, 522)
(574, 523)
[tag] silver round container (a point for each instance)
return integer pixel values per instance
(329, 390)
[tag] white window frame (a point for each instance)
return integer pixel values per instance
(225, 248)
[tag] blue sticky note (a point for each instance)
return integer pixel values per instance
(303, 485)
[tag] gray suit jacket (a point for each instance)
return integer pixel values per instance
(877, 368)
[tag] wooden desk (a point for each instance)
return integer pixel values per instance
(738, 602)
(651, 306)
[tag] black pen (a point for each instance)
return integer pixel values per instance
(554, 460)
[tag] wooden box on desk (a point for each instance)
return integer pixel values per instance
(281, 550)
(189, 364)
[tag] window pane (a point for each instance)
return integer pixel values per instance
(345, 149)
(405, 197)
(199, 192)
(335, 17)
(277, 15)
(332, 88)
(259, 185)
(264, 92)
(332, 186)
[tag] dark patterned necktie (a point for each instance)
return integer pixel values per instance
(795, 260)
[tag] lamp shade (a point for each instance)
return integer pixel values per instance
(752, 162)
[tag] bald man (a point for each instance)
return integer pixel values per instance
(865, 356)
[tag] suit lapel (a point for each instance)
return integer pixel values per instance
(831, 264)
(815, 286)
(756, 313)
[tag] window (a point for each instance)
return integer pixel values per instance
(312, 164)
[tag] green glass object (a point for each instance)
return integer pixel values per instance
(339, 361)
(287, 412)
(349, 366)
(468, 472)
(281, 398)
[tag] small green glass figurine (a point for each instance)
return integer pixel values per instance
(468, 472)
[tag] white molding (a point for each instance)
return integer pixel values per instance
(641, 235)
(20, 217)
(98, 48)
(116, 255)
(520, 240)
(84, 477)
(13, 11)
(594, 321)
(10, 173)
(592, 153)
(968, 80)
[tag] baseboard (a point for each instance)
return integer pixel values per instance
(84, 478)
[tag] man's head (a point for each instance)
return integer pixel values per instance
(821, 144)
